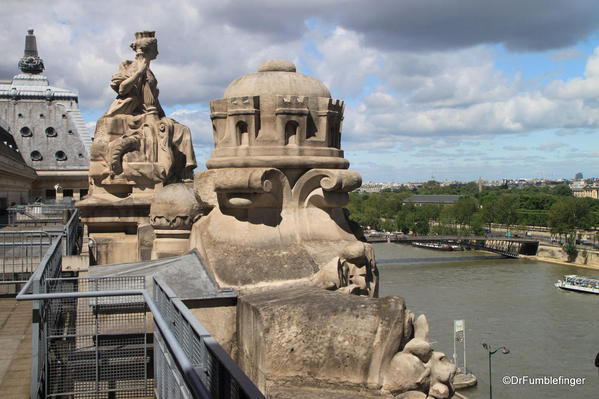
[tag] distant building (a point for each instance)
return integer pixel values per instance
(432, 199)
(16, 177)
(47, 128)
(586, 192)
(578, 176)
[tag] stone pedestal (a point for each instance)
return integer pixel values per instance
(170, 243)
(306, 337)
(114, 225)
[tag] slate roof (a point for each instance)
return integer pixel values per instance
(185, 275)
(32, 96)
(432, 199)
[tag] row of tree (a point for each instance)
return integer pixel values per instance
(475, 211)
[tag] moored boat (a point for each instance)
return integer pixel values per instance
(433, 245)
(574, 282)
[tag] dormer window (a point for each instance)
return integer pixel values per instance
(26, 132)
(36, 155)
(51, 132)
(60, 155)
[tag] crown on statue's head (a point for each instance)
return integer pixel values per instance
(145, 33)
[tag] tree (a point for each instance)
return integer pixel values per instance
(562, 190)
(568, 215)
(565, 217)
(506, 210)
(464, 209)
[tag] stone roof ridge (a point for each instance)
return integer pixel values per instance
(81, 127)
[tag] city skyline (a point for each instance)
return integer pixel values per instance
(452, 90)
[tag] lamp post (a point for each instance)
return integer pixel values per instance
(491, 352)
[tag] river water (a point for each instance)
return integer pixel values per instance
(504, 302)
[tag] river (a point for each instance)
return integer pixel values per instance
(504, 302)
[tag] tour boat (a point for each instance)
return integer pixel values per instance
(578, 283)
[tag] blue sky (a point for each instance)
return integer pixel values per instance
(450, 89)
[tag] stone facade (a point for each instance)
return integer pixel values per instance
(16, 177)
(47, 127)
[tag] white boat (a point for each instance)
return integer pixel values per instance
(578, 283)
(432, 245)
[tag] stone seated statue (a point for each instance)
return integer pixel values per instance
(135, 144)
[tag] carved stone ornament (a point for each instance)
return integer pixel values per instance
(135, 144)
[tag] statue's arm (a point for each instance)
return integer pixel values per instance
(122, 83)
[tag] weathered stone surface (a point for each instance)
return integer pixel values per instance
(175, 207)
(419, 348)
(276, 179)
(321, 335)
(405, 373)
(135, 144)
(276, 391)
(137, 150)
(411, 395)
(442, 373)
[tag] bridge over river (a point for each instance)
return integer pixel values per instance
(510, 247)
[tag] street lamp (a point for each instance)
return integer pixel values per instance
(505, 351)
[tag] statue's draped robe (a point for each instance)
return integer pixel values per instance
(136, 105)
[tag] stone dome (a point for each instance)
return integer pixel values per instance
(276, 77)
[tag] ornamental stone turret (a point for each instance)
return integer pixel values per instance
(31, 62)
(277, 180)
(277, 112)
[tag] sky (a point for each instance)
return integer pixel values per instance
(442, 89)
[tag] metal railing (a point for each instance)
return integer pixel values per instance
(38, 214)
(22, 250)
(218, 372)
(20, 254)
(91, 340)
(97, 346)
(72, 232)
(48, 268)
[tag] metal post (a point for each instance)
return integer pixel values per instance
(490, 379)
(465, 371)
(455, 355)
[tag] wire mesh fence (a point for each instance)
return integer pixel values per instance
(20, 254)
(98, 347)
(219, 373)
(105, 337)
(38, 214)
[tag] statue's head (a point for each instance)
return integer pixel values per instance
(145, 44)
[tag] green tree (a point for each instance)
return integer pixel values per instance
(506, 210)
(464, 209)
(568, 215)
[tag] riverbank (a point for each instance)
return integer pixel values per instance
(546, 253)
(504, 302)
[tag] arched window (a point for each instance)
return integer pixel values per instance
(36, 155)
(291, 133)
(51, 132)
(26, 132)
(60, 155)
(242, 133)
